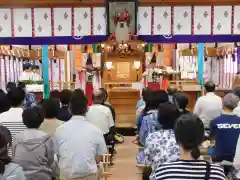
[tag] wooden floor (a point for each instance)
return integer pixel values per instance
(125, 161)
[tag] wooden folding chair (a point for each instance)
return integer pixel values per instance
(106, 162)
(141, 167)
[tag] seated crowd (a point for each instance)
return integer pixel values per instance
(170, 135)
(62, 138)
(57, 138)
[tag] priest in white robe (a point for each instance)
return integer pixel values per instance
(36, 73)
(27, 72)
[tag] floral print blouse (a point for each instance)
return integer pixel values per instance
(161, 147)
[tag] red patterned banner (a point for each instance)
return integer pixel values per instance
(152, 24)
(33, 24)
(52, 21)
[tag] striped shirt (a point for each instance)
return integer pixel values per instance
(190, 170)
(12, 119)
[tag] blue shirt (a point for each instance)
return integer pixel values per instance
(226, 130)
(140, 103)
(149, 125)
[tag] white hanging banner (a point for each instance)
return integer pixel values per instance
(68, 64)
(62, 21)
(160, 58)
(236, 28)
(84, 59)
(222, 20)
(59, 70)
(207, 75)
(5, 23)
(96, 58)
(144, 20)
(16, 69)
(11, 70)
(62, 62)
(148, 57)
(7, 72)
(182, 20)
(216, 71)
(202, 20)
(162, 20)
(42, 22)
(82, 21)
(55, 73)
(20, 66)
(50, 70)
(99, 21)
(22, 19)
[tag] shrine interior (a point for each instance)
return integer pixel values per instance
(125, 69)
(123, 47)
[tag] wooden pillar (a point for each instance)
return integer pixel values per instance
(167, 52)
(77, 56)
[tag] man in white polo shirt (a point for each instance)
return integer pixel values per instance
(79, 144)
(208, 107)
(100, 115)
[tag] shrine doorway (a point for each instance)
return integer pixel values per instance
(123, 71)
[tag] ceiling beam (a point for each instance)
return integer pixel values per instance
(84, 3)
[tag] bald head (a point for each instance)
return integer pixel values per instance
(98, 96)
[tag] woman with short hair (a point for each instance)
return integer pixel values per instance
(189, 133)
(51, 108)
(161, 146)
(181, 101)
(150, 123)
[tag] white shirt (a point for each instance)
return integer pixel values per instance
(237, 110)
(25, 76)
(101, 117)
(12, 119)
(78, 143)
(236, 161)
(208, 107)
(36, 77)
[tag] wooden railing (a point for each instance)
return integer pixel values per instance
(186, 85)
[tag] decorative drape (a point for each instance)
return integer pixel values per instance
(89, 83)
